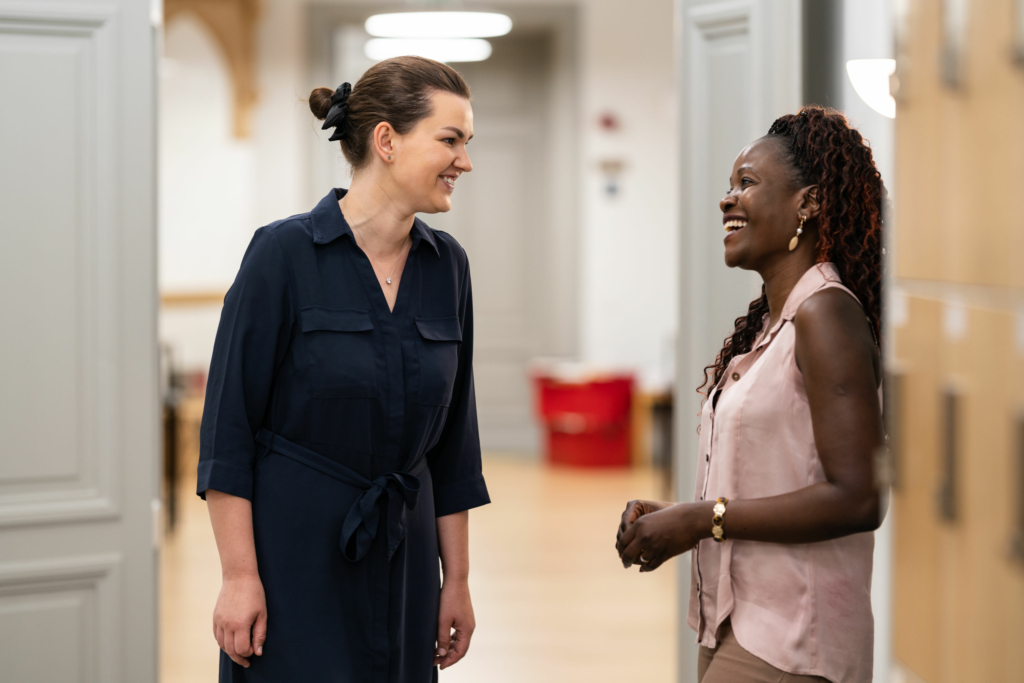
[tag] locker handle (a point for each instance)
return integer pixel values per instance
(950, 426)
(1017, 542)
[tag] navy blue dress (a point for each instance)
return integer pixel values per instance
(351, 428)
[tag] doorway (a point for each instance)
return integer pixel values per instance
(499, 217)
(516, 215)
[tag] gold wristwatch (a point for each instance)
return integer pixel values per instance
(717, 532)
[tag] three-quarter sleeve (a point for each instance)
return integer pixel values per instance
(252, 339)
(455, 461)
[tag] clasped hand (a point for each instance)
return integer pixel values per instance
(652, 532)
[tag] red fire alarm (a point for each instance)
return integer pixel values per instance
(609, 122)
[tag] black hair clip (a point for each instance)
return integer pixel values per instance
(339, 109)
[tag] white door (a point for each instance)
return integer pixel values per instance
(500, 215)
(78, 366)
(740, 69)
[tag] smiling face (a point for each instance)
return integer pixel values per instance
(428, 160)
(761, 212)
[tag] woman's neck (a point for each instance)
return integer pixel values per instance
(779, 280)
(379, 223)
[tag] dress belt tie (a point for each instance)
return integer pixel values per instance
(397, 490)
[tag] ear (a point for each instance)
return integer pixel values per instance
(384, 141)
(809, 201)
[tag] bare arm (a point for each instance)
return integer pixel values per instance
(241, 607)
(456, 611)
(841, 370)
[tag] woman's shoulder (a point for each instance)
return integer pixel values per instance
(831, 316)
(293, 229)
(273, 244)
(450, 243)
(448, 248)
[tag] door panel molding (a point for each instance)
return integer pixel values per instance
(40, 596)
(71, 474)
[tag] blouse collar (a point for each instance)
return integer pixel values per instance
(329, 223)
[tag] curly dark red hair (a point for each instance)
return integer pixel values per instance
(821, 148)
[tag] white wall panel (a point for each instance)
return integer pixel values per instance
(58, 620)
(30, 626)
(58, 366)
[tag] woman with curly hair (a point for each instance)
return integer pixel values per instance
(786, 495)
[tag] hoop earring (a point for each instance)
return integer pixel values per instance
(799, 231)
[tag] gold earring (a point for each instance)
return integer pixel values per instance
(799, 231)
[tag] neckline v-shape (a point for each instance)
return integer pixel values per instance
(378, 291)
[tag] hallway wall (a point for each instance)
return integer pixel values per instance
(625, 290)
(628, 243)
(215, 189)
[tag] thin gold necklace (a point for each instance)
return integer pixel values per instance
(394, 265)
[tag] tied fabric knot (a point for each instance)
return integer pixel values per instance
(400, 491)
(339, 109)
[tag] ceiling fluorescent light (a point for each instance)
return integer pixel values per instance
(438, 25)
(442, 50)
(870, 78)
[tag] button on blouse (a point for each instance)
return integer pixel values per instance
(803, 608)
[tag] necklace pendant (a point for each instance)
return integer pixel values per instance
(389, 281)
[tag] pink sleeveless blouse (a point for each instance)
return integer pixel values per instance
(805, 609)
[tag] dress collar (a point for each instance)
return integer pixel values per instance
(329, 223)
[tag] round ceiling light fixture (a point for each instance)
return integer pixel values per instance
(438, 25)
(441, 49)
(870, 79)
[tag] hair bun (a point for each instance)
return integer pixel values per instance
(320, 102)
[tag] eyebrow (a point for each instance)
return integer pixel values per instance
(458, 132)
(745, 167)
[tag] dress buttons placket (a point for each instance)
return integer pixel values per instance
(735, 377)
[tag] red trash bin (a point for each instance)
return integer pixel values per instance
(587, 422)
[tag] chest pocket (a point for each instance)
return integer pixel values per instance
(340, 344)
(439, 359)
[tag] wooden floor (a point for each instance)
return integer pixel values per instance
(552, 601)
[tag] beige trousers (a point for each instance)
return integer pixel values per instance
(730, 663)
